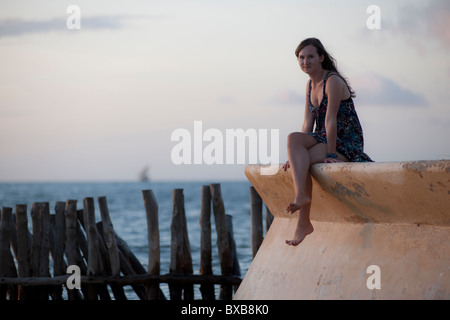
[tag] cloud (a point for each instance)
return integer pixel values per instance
(430, 21)
(18, 27)
(438, 19)
(226, 100)
(370, 89)
(287, 97)
(378, 90)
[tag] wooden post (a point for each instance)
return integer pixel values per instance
(13, 240)
(180, 258)
(35, 244)
(5, 252)
(59, 267)
(45, 239)
(13, 290)
(108, 252)
(130, 265)
(207, 290)
(72, 253)
(236, 269)
(269, 218)
(44, 262)
(35, 239)
(256, 218)
(94, 265)
(71, 248)
(80, 235)
(23, 248)
(98, 247)
(222, 236)
(109, 237)
(151, 209)
(117, 289)
(86, 219)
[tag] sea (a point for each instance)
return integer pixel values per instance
(127, 212)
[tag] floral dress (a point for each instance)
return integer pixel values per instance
(349, 140)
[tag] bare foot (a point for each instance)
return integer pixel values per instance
(300, 233)
(294, 206)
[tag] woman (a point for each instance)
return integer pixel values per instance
(337, 136)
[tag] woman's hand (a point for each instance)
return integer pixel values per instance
(286, 166)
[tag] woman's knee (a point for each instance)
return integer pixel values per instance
(299, 139)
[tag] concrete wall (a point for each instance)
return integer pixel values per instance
(395, 216)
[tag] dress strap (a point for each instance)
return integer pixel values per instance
(309, 92)
(330, 73)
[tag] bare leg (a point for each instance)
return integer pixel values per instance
(304, 226)
(299, 160)
(303, 151)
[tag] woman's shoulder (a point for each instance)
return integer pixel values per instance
(334, 82)
(334, 79)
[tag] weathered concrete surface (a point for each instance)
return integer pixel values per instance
(394, 215)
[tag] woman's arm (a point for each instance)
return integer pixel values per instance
(308, 120)
(333, 90)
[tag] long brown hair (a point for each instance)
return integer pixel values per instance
(328, 63)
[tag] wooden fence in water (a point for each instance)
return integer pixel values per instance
(77, 243)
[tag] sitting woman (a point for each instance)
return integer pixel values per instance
(337, 136)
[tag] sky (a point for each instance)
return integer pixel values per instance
(102, 101)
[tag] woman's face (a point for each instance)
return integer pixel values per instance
(309, 60)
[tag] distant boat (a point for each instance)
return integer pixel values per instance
(144, 175)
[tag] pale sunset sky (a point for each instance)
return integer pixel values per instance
(100, 103)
